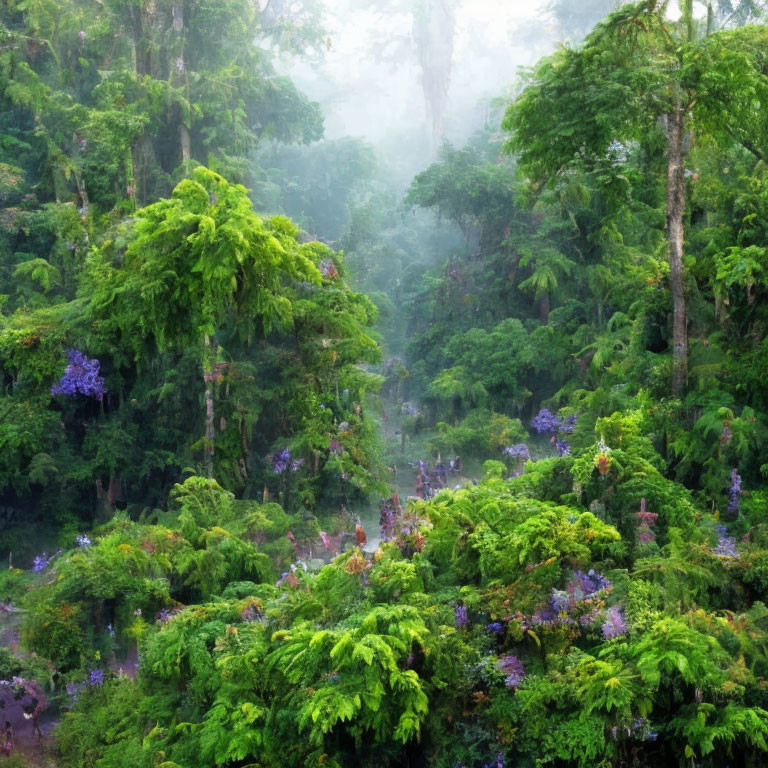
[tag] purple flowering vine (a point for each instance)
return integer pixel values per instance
(519, 454)
(614, 625)
(519, 451)
(81, 377)
(96, 678)
(41, 562)
(281, 461)
(734, 493)
(514, 670)
(546, 422)
(460, 615)
(726, 545)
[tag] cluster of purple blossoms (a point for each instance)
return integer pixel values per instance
(83, 542)
(96, 678)
(282, 461)
(519, 454)
(614, 624)
(41, 562)
(514, 670)
(335, 447)
(461, 618)
(583, 586)
(519, 451)
(734, 493)
(496, 627)
(547, 422)
(726, 545)
(567, 606)
(81, 377)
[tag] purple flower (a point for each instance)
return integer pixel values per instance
(545, 616)
(496, 627)
(546, 421)
(297, 465)
(614, 625)
(96, 678)
(282, 461)
(460, 615)
(726, 545)
(336, 447)
(83, 542)
(81, 34)
(513, 668)
(734, 493)
(592, 582)
(81, 377)
(180, 66)
(561, 601)
(519, 451)
(41, 562)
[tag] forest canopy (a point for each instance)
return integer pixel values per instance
(448, 449)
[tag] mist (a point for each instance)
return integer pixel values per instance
(369, 78)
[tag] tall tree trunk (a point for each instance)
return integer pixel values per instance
(675, 237)
(184, 142)
(545, 306)
(210, 429)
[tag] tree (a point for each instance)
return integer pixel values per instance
(637, 71)
(194, 261)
